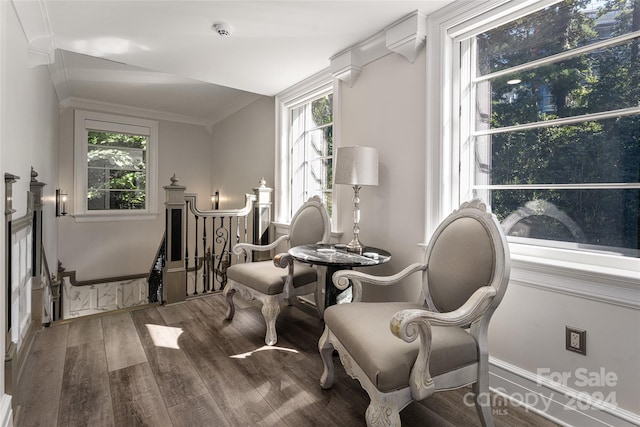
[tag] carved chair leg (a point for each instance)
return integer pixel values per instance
(270, 312)
(229, 291)
(380, 414)
(326, 353)
(483, 400)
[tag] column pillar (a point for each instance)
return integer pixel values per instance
(37, 307)
(174, 274)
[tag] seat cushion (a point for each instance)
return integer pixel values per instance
(363, 328)
(268, 279)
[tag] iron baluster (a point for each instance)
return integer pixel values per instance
(213, 256)
(204, 251)
(186, 249)
(195, 271)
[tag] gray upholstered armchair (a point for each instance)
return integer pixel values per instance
(401, 352)
(272, 282)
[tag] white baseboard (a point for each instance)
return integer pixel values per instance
(556, 402)
(6, 414)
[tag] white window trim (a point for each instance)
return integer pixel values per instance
(299, 93)
(614, 276)
(115, 123)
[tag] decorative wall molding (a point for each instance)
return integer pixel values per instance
(102, 297)
(405, 37)
(597, 285)
(554, 401)
(59, 78)
(41, 51)
(346, 66)
(107, 107)
(34, 20)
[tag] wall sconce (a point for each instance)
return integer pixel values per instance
(215, 200)
(61, 203)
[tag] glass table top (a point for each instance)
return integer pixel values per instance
(337, 255)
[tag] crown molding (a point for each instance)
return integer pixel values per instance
(300, 90)
(405, 37)
(107, 107)
(41, 51)
(346, 66)
(34, 20)
(59, 78)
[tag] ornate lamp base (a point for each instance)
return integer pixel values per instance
(355, 245)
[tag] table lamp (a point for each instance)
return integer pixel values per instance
(356, 166)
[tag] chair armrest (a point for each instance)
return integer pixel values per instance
(284, 260)
(342, 278)
(471, 310)
(409, 324)
(248, 248)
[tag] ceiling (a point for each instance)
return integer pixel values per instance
(164, 56)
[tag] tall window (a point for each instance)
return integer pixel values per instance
(550, 124)
(304, 149)
(311, 147)
(115, 165)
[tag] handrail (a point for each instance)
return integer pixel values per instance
(27, 219)
(193, 199)
(215, 213)
(72, 278)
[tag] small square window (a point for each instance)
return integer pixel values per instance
(115, 166)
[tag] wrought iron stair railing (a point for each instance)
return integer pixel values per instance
(197, 246)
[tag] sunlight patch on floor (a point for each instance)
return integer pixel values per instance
(263, 348)
(164, 336)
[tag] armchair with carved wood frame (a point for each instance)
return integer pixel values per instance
(282, 278)
(403, 352)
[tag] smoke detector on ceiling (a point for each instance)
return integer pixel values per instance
(222, 29)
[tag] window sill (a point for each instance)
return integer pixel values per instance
(607, 265)
(599, 277)
(114, 216)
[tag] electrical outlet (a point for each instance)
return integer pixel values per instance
(576, 340)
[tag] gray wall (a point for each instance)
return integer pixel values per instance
(116, 248)
(243, 151)
(385, 109)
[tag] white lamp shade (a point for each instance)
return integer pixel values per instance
(356, 166)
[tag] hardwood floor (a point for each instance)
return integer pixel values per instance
(184, 365)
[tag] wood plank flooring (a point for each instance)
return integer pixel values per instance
(185, 365)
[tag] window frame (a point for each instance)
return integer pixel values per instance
(317, 85)
(449, 179)
(91, 120)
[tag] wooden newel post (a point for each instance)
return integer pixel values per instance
(174, 274)
(37, 308)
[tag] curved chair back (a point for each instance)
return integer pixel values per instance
(467, 251)
(310, 224)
